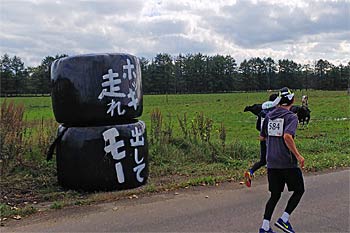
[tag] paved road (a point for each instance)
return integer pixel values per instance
(227, 208)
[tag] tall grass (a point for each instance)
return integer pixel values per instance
(12, 131)
(193, 147)
(22, 143)
(156, 126)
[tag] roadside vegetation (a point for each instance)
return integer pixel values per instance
(201, 139)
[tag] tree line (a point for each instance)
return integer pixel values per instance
(193, 73)
(16, 79)
(198, 73)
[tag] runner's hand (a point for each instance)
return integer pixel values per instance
(301, 161)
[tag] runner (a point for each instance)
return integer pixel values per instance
(267, 107)
(278, 130)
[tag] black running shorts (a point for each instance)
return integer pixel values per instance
(293, 177)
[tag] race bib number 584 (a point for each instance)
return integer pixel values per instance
(275, 127)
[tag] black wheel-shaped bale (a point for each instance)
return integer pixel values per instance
(104, 158)
(94, 88)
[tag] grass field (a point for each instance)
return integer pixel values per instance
(330, 111)
(325, 143)
(329, 126)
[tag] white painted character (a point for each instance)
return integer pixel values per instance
(114, 148)
(134, 101)
(113, 83)
(129, 67)
(140, 166)
(114, 105)
(138, 140)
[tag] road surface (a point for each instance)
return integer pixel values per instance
(227, 208)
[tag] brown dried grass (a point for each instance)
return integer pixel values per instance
(12, 129)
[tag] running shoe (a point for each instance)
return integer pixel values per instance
(284, 226)
(263, 231)
(248, 178)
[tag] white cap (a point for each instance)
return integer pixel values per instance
(271, 104)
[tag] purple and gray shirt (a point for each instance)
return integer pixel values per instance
(276, 123)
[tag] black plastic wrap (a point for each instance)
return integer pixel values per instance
(96, 88)
(88, 157)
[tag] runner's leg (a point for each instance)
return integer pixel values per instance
(262, 161)
(295, 182)
(271, 204)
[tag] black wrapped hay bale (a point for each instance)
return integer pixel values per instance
(113, 157)
(95, 88)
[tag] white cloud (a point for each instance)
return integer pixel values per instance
(299, 30)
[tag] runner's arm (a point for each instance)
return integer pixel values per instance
(288, 138)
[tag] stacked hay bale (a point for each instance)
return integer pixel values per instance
(97, 99)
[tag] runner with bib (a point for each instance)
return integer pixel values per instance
(282, 156)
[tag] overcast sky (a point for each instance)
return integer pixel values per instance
(301, 30)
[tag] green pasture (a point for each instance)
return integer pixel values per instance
(330, 111)
(328, 131)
